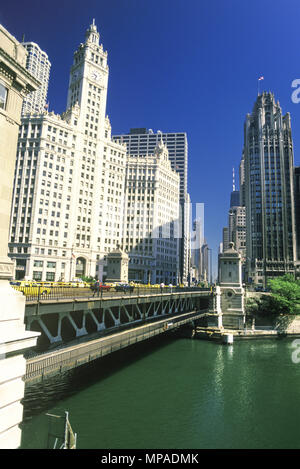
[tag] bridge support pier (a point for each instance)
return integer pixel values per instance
(79, 331)
(52, 340)
(99, 325)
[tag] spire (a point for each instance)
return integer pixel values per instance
(161, 150)
(233, 180)
(92, 35)
(235, 194)
(159, 132)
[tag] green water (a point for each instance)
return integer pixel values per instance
(176, 393)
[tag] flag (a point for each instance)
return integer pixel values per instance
(73, 255)
(46, 105)
(261, 78)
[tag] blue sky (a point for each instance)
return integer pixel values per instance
(178, 65)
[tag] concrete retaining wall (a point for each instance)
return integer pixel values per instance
(288, 324)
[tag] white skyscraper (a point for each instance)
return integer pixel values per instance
(141, 141)
(38, 64)
(196, 245)
(151, 226)
(68, 199)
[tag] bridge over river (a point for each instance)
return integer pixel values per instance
(74, 330)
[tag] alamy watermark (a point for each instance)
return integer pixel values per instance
(188, 221)
(296, 352)
(296, 93)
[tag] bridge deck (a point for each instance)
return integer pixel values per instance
(50, 305)
(90, 348)
(34, 295)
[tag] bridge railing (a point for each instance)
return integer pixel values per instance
(37, 293)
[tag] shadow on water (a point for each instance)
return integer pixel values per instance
(43, 395)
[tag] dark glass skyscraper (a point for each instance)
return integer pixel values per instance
(268, 188)
(297, 208)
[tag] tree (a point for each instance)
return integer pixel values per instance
(285, 294)
(284, 298)
(87, 279)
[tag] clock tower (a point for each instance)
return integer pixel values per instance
(88, 83)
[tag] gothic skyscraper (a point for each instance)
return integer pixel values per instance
(268, 188)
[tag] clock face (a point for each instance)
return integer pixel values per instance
(95, 75)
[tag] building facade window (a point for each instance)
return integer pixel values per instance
(50, 276)
(3, 95)
(37, 275)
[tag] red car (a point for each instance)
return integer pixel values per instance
(99, 286)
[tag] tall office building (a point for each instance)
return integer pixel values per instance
(196, 250)
(269, 191)
(235, 195)
(237, 229)
(297, 207)
(242, 182)
(206, 262)
(141, 141)
(197, 240)
(237, 221)
(185, 217)
(68, 198)
(225, 238)
(38, 64)
(151, 218)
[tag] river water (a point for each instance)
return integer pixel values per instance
(175, 393)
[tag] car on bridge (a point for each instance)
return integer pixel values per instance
(124, 287)
(101, 287)
(77, 284)
(30, 288)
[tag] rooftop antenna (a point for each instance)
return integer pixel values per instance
(233, 180)
(23, 38)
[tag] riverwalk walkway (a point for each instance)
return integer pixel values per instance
(218, 335)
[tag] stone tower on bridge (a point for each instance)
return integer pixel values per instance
(117, 266)
(231, 289)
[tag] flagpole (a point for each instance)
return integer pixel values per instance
(259, 79)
